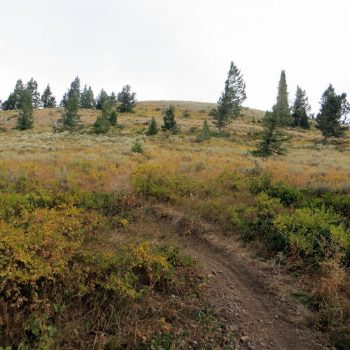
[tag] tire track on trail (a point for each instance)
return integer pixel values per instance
(240, 291)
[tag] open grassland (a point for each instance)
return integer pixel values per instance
(65, 196)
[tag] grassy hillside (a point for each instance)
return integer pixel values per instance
(81, 266)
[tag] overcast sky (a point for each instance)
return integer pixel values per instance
(177, 50)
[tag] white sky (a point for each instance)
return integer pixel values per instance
(177, 49)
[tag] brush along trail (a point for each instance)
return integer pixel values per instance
(244, 292)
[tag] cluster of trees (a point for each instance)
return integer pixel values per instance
(15, 99)
(26, 97)
(331, 119)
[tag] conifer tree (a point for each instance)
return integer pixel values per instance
(73, 91)
(32, 86)
(25, 118)
(332, 116)
(113, 118)
(47, 99)
(300, 110)
(126, 100)
(102, 123)
(205, 132)
(70, 118)
(272, 138)
(101, 99)
(15, 98)
(87, 100)
(153, 128)
(281, 109)
(169, 119)
(230, 102)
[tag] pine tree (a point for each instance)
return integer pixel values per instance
(126, 100)
(281, 109)
(101, 99)
(102, 123)
(152, 129)
(87, 100)
(15, 98)
(70, 118)
(32, 86)
(271, 138)
(230, 102)
(205, 132)
(113, 118)
(74, 90)
(25, 118)
(169, 119)
(332, 116)
(47, 99)
(300, 110)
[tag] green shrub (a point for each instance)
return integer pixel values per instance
(137, 147)
(286, 194)
(314, 235)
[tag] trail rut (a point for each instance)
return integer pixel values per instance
(241, 293)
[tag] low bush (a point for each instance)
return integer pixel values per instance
(314, 235)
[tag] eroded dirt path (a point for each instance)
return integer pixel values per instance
(242, 292)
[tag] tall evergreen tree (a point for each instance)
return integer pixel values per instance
(15, 98)
(230, 103)
(70, 118)
(169, 119)
(281, 109)
(74, 90)
(101, 99)
(332, 116)
(32, 86)
(301, 109)
(25, 118)
(272, 138)
(153, 128)
(87, 100)
(47, 99)
(126, 100)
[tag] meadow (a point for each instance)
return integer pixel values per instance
(77, 244)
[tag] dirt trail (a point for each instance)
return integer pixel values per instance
(241, 291)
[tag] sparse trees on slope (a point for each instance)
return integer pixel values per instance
(70, 118)
(14, 99)
(332, 116)
(281, 109)
(87, 100)
(126, 100)
(272, 138)
(152, 129)
(300, 110)
(25, 118)
(32, 86)
(47, 99)
(169, 119)
(230, 102)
